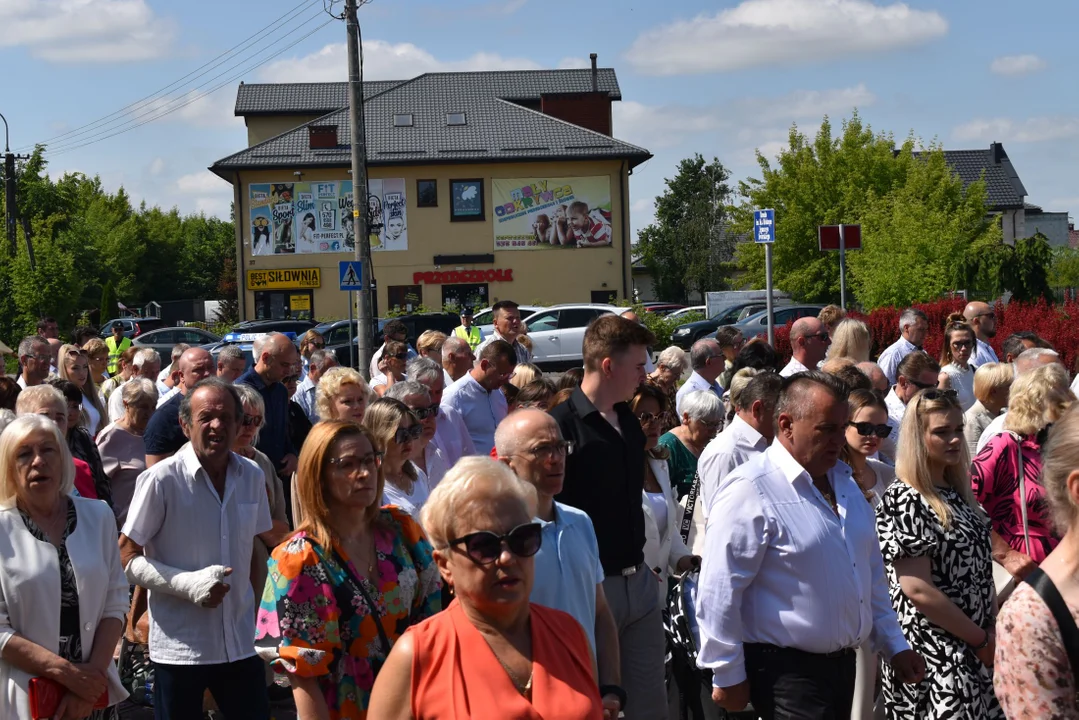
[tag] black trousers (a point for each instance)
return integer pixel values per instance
(239, 689)
(788, 684)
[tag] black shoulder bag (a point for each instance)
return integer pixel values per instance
(358, 587)
(1069, 633)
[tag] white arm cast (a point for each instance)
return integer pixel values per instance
(193, 586)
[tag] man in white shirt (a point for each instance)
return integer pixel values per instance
(793, 580)
(478, 395)
(707, 362)
(457, 359)
(507, 321)
(984, 321)
(319, 362)
(1028, 360)
(168, 378)
(917, 372)
(809, 345)
(145, 364)
(188, 539)
(913, 325)
(452, 441)
(35, 358)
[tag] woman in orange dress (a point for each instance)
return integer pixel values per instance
(492, 654)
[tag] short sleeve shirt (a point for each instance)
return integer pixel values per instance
(163, 435)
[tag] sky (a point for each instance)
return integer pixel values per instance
(122, 88)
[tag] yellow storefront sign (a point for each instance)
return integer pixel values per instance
(284, 279)
(299, 302)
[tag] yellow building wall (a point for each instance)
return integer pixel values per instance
(547, 276)
(264, 127)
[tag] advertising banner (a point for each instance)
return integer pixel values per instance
(538, 214)
(316, 217)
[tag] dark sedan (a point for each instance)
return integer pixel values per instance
(757, 324)
(165, 339)
(685, 335)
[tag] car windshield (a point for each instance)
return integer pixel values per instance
(729, 316)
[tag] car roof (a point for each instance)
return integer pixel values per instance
(778, 308)
(585, 306)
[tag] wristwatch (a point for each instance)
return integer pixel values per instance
(984, 644)
(615, 690)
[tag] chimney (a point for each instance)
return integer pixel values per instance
(322, 137)
(998, 152)
(595, 73)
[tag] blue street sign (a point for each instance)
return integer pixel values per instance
(764, 226)
(351, 275)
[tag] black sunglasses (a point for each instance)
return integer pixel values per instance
(920, 385)
(485, 547)
(935, 394)
(424, 413)
(403, 435)
(865, 429)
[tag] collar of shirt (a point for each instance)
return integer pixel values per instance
(697, 381)
(794, 366)
(741, 430)
(305, 386)
(193, 467)
(253, 379)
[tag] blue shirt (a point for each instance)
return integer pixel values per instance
(482, 410)
(274, 439)
(567, 568)
(163, 435)
(893, 355)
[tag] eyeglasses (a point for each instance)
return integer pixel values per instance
(867, 429)
(485, 547)
(403, 435)
(316, 345)
(398, 356)
(648, 418)
(546, 452)
(710, 423)
(962, 344)
(351, 463)
(935, 394)
(250, 420)
(919, 385)
(427, 412)
(823, 336)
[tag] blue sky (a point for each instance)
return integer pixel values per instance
(719, 78)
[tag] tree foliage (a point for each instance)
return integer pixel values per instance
(690, 247)
(92, 248)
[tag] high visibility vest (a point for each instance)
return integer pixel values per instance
(472, 335)
(115, 351)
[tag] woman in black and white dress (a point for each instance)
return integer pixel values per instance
(935, 541)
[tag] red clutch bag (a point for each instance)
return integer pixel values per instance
(45, 698)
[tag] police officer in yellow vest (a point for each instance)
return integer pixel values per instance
(116, 343)
(467, 331)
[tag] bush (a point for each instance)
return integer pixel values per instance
(662, 326)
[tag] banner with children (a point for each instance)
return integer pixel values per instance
(316, 217)
(536, 214)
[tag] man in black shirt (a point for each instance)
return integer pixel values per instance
(605, 478)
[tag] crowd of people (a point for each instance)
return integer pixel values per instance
(461, 536)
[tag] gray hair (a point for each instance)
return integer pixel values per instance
(454, 346)
(424, 370)
(911, 316)
(230, 353)
(702, 405)
(674, 358)
(217, 384)
(702, 351)
(1030, 359)
(250, 397)
(26, 347)
(402, 390)
(35, 396)
(146, 355)
(794, 398)
(6, 416)
(179, 349)
(138, 389)
(320, 356)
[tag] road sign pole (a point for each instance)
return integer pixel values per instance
(351, 338)
(842, 269)
(768, 287)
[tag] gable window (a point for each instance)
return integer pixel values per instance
(455, 118)
(402, 120)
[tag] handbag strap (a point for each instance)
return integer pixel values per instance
(1069, 633)
(691, 503)
(357, 585)
(1022, 491)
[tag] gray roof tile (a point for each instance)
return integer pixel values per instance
(300, 98)
(497, 130)
(1003, 186)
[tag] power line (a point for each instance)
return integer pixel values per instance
(120, 130)
(205, 68)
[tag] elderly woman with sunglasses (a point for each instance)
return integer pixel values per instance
(702, 417)
(343, 589)
(396, 430)
(492, 653)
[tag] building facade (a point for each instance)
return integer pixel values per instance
(482, 187)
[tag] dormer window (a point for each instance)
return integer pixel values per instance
(402, 120)
(456, 118)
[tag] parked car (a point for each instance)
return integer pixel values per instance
(246, 342)
(164, 339)
(337, 333)
(261, 327)
(557, 333)
(133, 327)
(685, 335)
(757, 324)
(485, 319)
(662, 308)
(687, 310)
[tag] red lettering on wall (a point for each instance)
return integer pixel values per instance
(463, 276)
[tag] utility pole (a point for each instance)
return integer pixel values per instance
(365, 324)
(9, 188)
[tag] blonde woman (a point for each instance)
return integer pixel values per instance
(934, 538)
(429, 344)
(524, 373)
(342, 394)
(992, 382)
(73, 364)
(98, 354)
(311, 341)
(396, 431)
(851, 339)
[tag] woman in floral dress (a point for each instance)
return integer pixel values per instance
(351, 580)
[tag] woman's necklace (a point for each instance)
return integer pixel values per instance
(401, 480)
(525, 688)
(364, 553)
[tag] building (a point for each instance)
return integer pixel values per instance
(482, 186)
(1053, 225)
(1006, 195)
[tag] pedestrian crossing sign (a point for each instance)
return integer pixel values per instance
(351, 275)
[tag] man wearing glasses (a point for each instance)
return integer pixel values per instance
(569, 575)
(916, 372)
(35, 358)
(984, 321)
(809, 345)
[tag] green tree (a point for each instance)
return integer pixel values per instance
(690, 245)
(109, 308)
(1064, 270)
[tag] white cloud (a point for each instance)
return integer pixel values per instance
(214, 206)
(202, 183)
(157, 166)
(1015, 65)
(643, 205)
(780, 32)
(1034, 129)
(68, 31)
(574, 63)
(659, 126)
(383, 61)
